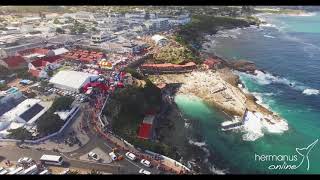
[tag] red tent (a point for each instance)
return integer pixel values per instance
(120, 85)
(99, 85)
(144, 131)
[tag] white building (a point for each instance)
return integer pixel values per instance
(180, 20)
(26, 28)
(24, 114)
(84, 16)
(51, 15)
(72, 80)
(32, 19)
(101, 37)
(160, 23)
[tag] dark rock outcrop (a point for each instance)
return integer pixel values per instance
(243, 66)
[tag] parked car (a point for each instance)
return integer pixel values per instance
(142, 171)
(24, 160)
(145, 162)
(113, 156)
(131, 156)
(93, 156)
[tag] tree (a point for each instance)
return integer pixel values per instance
(3, 87)
(49, 123)
(50, 73)
(19, 133)
(247, 10)
(73, 172)
(94, 29)
(44, 83)
(60, 31)
(93, 171)
(61, 103)
(56, 21)
(134, 73)
(147, 16)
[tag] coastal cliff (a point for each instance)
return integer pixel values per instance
(217, 88)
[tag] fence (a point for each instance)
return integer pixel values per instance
(46, 137)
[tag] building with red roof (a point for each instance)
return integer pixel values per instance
(145, 128)
(39, 67)
(168, 68)
(145, 131)
(212, 63)
(13, 62)
(35, 53)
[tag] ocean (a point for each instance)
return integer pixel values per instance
(288, 50)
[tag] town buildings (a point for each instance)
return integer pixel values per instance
(13, 62)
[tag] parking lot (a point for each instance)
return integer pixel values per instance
(78, 96)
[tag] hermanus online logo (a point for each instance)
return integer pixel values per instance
(289, 162)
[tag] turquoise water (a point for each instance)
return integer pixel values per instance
(290, 56)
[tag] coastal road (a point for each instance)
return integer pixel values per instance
(14, 153)
(126, 165)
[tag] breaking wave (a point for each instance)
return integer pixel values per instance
(212, 168)
(199, 144)
(217, 171)
(268, 25)
(304, 14)
(268, 36)
(257, 124)
(311, 92)
(267, 78)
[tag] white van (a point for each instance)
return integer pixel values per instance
(113, 156)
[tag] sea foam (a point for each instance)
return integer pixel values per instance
(311, 92)
(256, 125)
(199, 144)
(268, 36)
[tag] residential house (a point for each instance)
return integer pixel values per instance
(211, 63)
(13, 62)
(39, 68)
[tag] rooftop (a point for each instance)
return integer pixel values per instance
(14, 61)
(18, 110)
(73, 79)
(43, 61)
(30, 113)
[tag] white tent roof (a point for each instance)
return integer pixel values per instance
(157, 38)
(72, 79)
(60, 51)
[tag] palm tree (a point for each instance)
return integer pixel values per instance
(93, 171)
(73, 172)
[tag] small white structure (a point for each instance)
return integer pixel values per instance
(159, 40)
(60, 51)
(72, 80)
(64, 115)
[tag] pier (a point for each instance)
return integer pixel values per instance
(234, 124)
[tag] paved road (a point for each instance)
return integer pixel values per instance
(14, 153)
(127, 166)
(71, 159)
